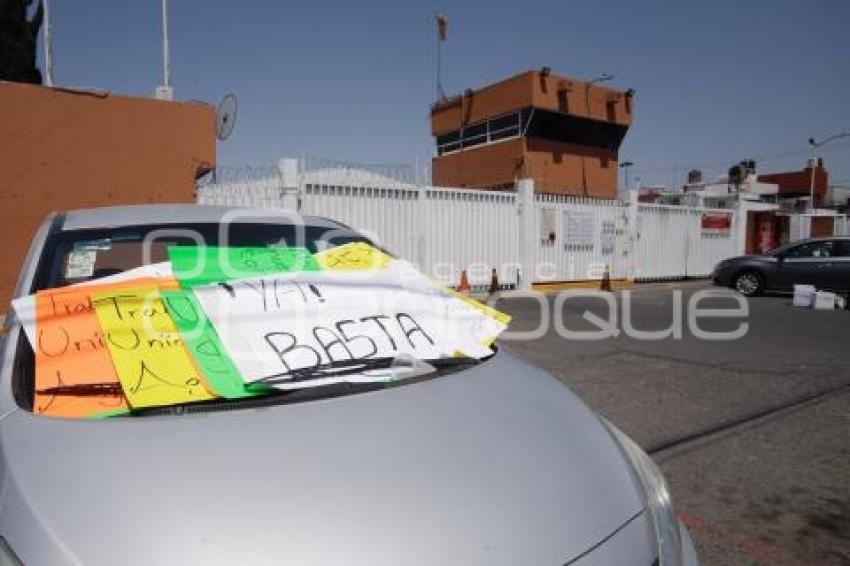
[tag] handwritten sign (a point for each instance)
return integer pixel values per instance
(201, 265)
(74, 375)
(204, 346)
(147, 351)
(356, 255)
(156, 273)
(271, 326)
(405, 275)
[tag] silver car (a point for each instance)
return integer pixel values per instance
(491, 463)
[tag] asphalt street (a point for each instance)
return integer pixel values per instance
(753, 434)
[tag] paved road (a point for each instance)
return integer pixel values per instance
(753, 434)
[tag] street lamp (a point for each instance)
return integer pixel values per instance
(604, 77)
(814, 145)
(625, 167)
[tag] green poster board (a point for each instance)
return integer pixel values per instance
(202, 265)
(205, 347)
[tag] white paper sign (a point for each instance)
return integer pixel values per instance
(80, 264)
(275, 324)
(25, 306)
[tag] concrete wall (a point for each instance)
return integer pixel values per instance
(62, 149)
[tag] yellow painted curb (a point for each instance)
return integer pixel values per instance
(616, 284)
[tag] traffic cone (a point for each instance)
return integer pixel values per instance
(464, 288)
(494, 282)
(605, 284)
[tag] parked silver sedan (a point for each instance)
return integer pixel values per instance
(492, 463)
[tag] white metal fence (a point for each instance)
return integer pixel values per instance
(671, 241)
(525, 237)
(578, 238)
(443, 230)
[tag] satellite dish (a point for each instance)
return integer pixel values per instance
(225, 117)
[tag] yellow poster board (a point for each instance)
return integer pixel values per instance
(356, 255)
(147, 350)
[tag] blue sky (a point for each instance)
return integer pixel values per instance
(716, 80)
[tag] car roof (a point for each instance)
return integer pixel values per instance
(142, 214)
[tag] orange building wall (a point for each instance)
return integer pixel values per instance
(62, 150)
(580, 98)
(562, 168)
(484, 166)
(532, 89)
(499, 98)
(556, 167)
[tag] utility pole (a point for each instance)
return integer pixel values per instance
(813, 161)
(165, 92)
(48, 45)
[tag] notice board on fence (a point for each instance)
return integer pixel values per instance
(579, 229)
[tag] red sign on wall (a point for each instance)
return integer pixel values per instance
(716, 224)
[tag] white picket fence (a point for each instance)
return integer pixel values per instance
(527, 238)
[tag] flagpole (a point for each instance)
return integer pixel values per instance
(439, 64)
(442, 26)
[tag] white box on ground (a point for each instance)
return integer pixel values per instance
(824, 301)
(804, 295)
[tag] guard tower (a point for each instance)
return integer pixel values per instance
(563, 133)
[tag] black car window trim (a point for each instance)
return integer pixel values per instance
(826, 245)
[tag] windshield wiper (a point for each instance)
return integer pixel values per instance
(332, 369)
(84, 390)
